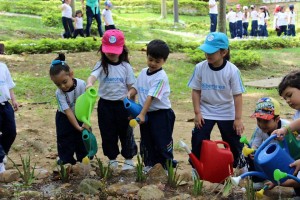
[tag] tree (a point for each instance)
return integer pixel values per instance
(73, 7)
(222, 16)
(163, 9)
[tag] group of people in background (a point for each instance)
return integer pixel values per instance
(284, 22)
(73, 26)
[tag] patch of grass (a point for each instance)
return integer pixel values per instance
(64, 172)
(104, 171)
(173, 178)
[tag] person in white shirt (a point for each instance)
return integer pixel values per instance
(67, 19)
(7, 113)
(246, 16)
(254, 22)
(239, 22)
(291, 21)
(107, 16)
(231, 17)
(78, 24)
(217, 90)
(282, 22)
(213, 14)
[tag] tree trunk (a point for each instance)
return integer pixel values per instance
(1, 48)
(163, 9)
(222, 16)
(73, 7)
(175, 12)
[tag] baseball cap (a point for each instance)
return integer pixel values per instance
(266, 108)
(113, 41)
(245, 7)
(252, 6)
(108, 3)
(214, 42)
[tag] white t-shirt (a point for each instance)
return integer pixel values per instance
(6, 83)
(254, 15)
(246, 19)
(114, 86)
(239, 16)
(108, 17)
(217, 89)
(231, 17)
(261, 18)
(79, 23)
(258, 136)
(214, 9)
(282, 19)
(292, 18)
(66, 10)
(67, 100)
(155, 85)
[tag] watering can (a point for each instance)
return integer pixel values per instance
(292, 144)
(85, 104)
(215, 163)
(90, 142)
(134, 109)
(268, 158)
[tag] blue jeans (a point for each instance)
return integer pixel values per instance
(213, 22)
(254, 27)
(68, 26)
(232, 29)
(228, 135)
(245, 28)
(291, 30)
(7, 127)
(89, 17)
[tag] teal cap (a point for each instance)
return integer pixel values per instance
(214, 42)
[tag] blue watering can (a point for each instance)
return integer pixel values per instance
(267, 159)
(134, 109)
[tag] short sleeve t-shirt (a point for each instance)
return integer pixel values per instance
(6, 83)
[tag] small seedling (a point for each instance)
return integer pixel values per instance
(105, 172)
(140, 177)
(198, 185)
(28, 174)
(173, 179)
(64, 172)
(250, 192)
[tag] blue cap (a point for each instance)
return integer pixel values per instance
(214, 42)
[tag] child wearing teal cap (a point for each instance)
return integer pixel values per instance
(217, 89)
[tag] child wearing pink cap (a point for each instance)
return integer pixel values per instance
(115, 76)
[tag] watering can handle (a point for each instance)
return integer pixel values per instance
(224, 143)
(264, 144)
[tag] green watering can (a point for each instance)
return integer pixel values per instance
(90, 142)
(293, 145)
(85, 104)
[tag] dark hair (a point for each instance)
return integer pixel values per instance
(227, 56)
(58, 65)
(77, 12)
(123, 57)
(292, 79)
(158, 49)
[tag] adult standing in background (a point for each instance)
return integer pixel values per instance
(92, 11)
(213, 14)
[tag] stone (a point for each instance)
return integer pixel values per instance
(4, 193)
(181, 197)
(122, 189)
(31, 194)
(91, 186)
(41, 173)
(150, 192)
(265, 83)
(9, 176)
(157, 174)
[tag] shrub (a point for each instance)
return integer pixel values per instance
(51, 19)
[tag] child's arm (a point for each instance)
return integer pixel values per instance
(294, 126)
(90, 81)
(131, 93)
(13, 100)
(72, 119)
(196, 96)
(145, 109)
(238, 124)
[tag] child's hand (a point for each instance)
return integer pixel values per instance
(198, 120)
(280, 133)
(142, 118)
(238, 126)
(15, 105)
(270, 185)
(88, 85)
(296, 164)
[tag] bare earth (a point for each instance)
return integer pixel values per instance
(36, 125)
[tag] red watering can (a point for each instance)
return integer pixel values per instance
(215, 163)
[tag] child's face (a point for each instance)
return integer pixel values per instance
(216, 59)
(63, 80)
(292, 96)
(154, 63)
(267, 126)
(79, 15)
(112, 57)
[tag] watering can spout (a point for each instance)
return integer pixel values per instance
(236, 180)
(183, 145)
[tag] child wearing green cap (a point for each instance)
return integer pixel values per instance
(217, 89)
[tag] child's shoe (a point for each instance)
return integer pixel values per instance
(5, 160)
(128, 164)
(113, 164)
(147, 169)
(2, 167)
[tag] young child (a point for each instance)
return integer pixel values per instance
(8, 130)
(67, 19)
(217, 89)
(291, 21)
(239, 22)
(153, 91)
(231, 17)
(267, 113)
(245, 21)
(115, 76)
(107, 16)
(254, 22)
(78, 24)
(68, 128)
(282, 22)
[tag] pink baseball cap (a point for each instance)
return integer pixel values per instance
(113, 41)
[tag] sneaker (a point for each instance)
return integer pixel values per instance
(128, 164)
(5, 160)
(258, 185)
(2, 167)
(146, 169)
(113, 164)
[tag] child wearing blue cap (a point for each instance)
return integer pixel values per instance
(217, 89)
